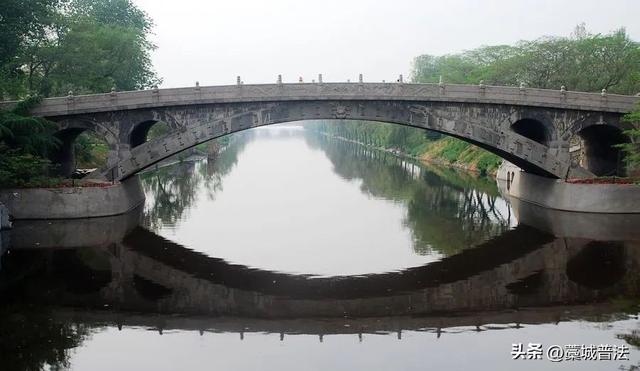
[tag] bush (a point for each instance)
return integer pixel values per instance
(19, 170)
(632, 149)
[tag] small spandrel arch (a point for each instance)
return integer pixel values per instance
(148, 130)
(80, 152)
(533, 129)
(596, 149)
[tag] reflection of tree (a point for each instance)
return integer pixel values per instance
(632, 338)
(173, 189)
(31, 338)
(170, 191)
(447, 210)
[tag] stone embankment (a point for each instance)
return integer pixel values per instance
(584, 197)
(73, 202)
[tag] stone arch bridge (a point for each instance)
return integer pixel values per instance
(535, 129)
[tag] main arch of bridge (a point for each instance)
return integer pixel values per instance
(531, 128)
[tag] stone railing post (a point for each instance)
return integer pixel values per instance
(155, 94)
(523, 88)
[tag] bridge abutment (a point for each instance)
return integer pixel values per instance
(73, 202)
(561, 195)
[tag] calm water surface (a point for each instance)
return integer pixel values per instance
(296, 251)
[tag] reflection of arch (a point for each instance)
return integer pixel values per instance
(149, 289)
(509, 246)
(534, 130)
(598, 150)
(155, 275)
(598, 265)
(140, 133)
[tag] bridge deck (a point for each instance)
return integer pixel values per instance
(117, 101)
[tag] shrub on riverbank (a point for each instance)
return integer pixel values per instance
(632, 149)
(454, 152)
(25, 141)
(24, 170)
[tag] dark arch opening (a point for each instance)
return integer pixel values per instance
(598, 151)
(146, 131)
(79, 149)
(532, 129)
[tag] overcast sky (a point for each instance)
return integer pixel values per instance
(214, 41)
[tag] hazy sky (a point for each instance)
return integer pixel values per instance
(214, 41)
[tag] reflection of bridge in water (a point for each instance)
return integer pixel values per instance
(521, 276)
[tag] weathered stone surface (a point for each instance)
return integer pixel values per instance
(482, 115)
(73, 233)
(123, 101)
(73, 203)
(623, 199)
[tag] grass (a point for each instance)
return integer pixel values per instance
(455, 152)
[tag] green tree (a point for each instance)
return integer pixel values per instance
(21, 22)
(25, 141)
(29, 135)
(632, 149)
(582, 62)
(86, 46)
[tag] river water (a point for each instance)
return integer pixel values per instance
(297, 251)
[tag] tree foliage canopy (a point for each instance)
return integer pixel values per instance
(21, 132)
(580, 62)
(84, 46)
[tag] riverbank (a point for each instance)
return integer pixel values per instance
(443, 153)
(456, 153)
